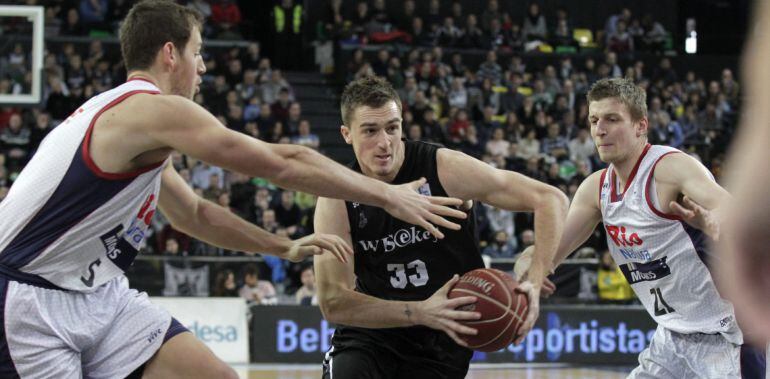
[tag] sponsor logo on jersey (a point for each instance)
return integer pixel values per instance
(637, 255)
(645, 272)
(401, 238)
(622, 237)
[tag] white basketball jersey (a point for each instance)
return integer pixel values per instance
(661, 256)
(65, 223)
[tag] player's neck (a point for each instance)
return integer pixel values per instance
(624, 168)
(150, 77)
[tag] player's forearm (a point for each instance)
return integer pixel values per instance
(220, 227)
(550, 213)
(576, 232)
(309, 171)
(348, 307)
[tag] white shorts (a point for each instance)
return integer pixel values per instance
(58, 334)
(698, 355)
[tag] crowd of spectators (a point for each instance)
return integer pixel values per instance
(510, 114)
(496, 27)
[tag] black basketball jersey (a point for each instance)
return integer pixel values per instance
(399, 261)
(395, 260)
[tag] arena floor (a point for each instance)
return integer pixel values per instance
(483, 371)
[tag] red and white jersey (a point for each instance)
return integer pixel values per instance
(661, 256)
(65, 223)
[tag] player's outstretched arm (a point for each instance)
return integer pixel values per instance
(216, 225)
(185, 126)
(341, 304)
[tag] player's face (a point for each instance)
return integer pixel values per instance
(614, 132)
(375, 134)
(190, 68)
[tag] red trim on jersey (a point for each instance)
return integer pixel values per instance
(142, 78)
(87, 143)
(647, 191)
(601, 184)
(614, 196)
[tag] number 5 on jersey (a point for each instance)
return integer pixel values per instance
(418, 274)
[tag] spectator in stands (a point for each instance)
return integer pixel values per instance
(621, 41)
(433, 18)
(582, 148)
(498, 146)
(305, 137)
(360, 19)
(280, 109)
(306, 295)
(490, 69)
(15, 140)
(527, 239)
(288, 215)
(93, 12)
(420, 35)
(224, 285)
(255, 291)
(613, 286)
(501, 246)
(535, 28)
(472, 35)
(491, 12)
(449, 34)
(655, 34)
(611, 25)
(555, 144)
(226, 19)
(288, 24)
(42, 127)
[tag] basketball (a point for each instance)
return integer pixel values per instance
(502, 306)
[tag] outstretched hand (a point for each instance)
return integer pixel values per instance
(428, 212)
(697, 216)
(316, 244)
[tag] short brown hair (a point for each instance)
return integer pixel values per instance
(371, 91)
(625, 91)
(149, 25)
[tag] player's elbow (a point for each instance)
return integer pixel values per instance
(330, 305)
(289, 171)
(553, 198)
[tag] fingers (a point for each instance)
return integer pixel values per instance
(548, 288)
(680, 210)
(448, 201)
(457, 327)
(463, 315)
(449, 284)
(460, 301)
(443, 210)
(423, 223)
(417, 183)
(440, 221)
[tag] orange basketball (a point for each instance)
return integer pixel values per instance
(502, 306)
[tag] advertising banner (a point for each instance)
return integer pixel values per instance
(221, 323)
(595, 334)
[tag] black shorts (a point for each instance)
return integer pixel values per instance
(394, 353)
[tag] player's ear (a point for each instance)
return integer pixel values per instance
(167, 54)
(345, 131)
(641, 130)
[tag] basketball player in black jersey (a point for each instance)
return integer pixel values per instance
(390, 301)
